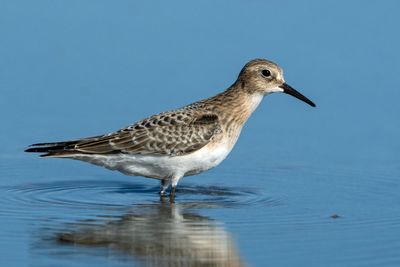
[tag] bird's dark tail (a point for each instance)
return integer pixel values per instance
(60, 149)
(55, 149)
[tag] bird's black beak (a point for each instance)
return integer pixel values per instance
(287, 89)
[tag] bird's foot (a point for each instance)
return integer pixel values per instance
(164, 184)
(172, 194)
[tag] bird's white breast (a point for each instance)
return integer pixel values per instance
(162, 166)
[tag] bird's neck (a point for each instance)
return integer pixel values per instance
(235, 105)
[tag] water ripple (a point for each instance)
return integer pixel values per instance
(117, 195)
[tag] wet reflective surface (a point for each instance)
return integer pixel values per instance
(161, 235)
(111, 220)
(303, 186)
(110, 215)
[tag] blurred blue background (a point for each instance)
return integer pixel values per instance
(71, 69)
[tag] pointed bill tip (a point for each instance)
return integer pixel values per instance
(287, 89)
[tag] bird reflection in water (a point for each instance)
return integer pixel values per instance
(162, 234)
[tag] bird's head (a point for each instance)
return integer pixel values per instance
(264, 77)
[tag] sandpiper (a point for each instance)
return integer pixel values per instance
(181, 142)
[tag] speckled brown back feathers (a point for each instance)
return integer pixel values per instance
(172, 133)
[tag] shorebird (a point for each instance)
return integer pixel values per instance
(181, 142)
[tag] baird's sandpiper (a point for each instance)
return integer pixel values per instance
(181, 142)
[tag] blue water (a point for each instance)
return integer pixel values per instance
(303, 186)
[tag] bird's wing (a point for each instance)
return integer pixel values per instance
(170, 133)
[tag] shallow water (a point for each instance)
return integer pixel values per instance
(320, 217)
(302, 187)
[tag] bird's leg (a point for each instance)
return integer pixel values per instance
(164, 184)
(172, 194)
(174, 183)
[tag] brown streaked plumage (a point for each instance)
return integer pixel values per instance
(181, 142)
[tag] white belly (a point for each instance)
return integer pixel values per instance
(161, 166)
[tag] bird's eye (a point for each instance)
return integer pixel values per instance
(266, 73)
